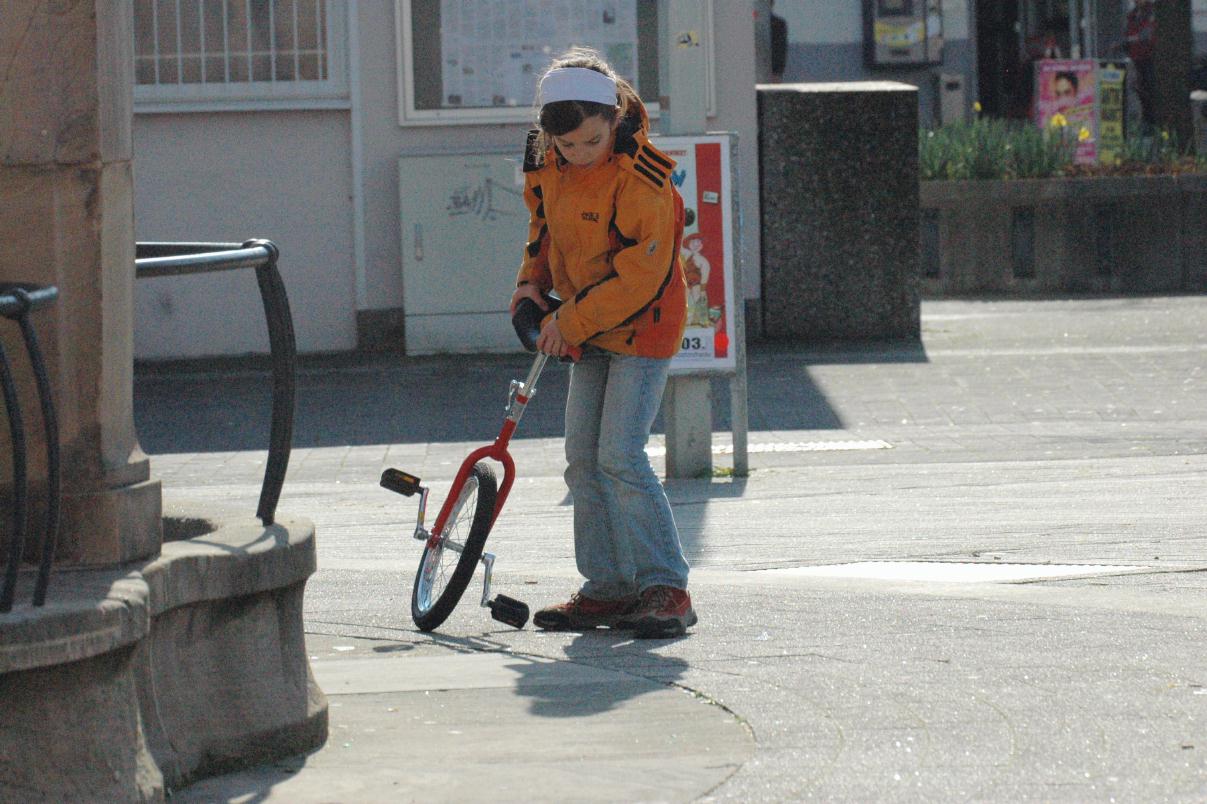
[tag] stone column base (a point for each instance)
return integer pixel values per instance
(134, 681)
(123, 525)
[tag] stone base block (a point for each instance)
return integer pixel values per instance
(132, 681)
(72, 733)
(71, 727)
(838, 173)
(227, 654)
(124, 525)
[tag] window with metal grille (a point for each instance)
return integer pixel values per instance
(231, 53)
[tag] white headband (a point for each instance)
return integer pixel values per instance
(578, 84)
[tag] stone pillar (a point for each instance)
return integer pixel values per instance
(838, 166)
(134, 677)
(67, 219)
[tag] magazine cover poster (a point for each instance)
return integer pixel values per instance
(1068, 88)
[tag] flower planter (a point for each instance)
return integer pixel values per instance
(1133, 234)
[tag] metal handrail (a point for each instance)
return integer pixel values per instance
(182, 259)
(17, 301)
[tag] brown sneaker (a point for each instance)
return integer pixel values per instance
(582, 613)
(663, 612)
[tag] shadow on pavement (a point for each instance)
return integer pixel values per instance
(556, 686)
(555, 691)
(197, 407)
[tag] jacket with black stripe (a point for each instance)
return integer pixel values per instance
(606, 240)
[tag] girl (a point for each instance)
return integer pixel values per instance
(604, 235)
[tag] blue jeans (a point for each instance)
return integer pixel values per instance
(625, 539)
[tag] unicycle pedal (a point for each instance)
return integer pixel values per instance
(401, 482)
(509, 610)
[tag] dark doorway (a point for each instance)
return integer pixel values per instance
(1000, 68)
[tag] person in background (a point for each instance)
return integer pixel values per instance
(1198, 75)
(779, 46)
(1140, 36)
(1047, 43)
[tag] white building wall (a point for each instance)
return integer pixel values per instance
(226, 177)
(289, 176)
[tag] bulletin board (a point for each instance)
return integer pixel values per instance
(478, 61)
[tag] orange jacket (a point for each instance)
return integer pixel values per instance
(607, 242)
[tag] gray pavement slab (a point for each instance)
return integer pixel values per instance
(1042, 433)
(413, 723)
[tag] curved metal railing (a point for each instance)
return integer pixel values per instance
(17, 301)
(180, 259)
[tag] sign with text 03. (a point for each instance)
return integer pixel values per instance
(702, 177)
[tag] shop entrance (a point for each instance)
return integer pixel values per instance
(1013, 34)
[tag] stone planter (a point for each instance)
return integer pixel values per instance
(133, 681)
(1135, 234)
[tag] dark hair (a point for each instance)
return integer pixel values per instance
(562, 117)
(1070, 77)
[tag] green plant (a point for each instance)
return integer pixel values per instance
(988, 148)
(1150, 153)
(1039, 153)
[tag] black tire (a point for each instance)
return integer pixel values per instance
(436, 592)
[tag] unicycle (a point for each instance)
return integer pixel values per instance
(454, 546)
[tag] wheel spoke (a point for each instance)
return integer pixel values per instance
(439, 566)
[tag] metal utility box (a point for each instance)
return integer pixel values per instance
(900, 33)
(951, 98)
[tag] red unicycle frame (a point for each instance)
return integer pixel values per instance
(455, 545)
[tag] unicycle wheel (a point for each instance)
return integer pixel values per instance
(448, 563)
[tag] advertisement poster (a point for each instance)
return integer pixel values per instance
(1068, 88)
(702, 177)
(493, 52)
(899, 34)
(1110, 113)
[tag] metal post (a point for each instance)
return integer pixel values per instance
(687, 405)
(1089, 28)
(738, 412)
(1074, 29)
(20, 502)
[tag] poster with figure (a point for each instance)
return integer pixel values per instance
(494, 52)
(702, 177)
(1066, 92)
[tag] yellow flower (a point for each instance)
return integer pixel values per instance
(976, 107)
(1083, 135)
(1165, 135)
(1058, 121)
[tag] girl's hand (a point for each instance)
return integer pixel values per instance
(551, 341)
(527, 292)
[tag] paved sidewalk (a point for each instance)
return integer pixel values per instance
(971, 569)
